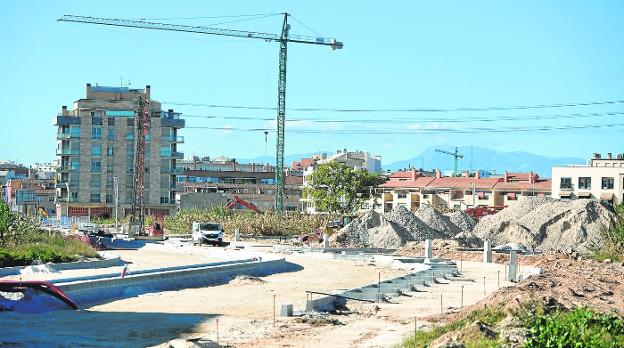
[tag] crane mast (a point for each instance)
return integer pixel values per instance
(456, 156)
(141, 127)
(283, 40)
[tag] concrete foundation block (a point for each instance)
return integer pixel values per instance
(512, 272)
(487, 252)
(325, 240)
(286, 310)
(237, 236)
(428, 249)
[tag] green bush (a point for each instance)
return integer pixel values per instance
(21, 243)
(578, 328)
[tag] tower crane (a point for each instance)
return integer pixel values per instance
(284, 38)
(456, 155)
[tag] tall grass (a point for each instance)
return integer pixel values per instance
(266, 223)
(21, 243)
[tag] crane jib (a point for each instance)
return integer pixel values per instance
(201, 30)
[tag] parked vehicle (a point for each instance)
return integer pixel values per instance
(207, 232)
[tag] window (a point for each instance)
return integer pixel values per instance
(96, 133)
(165, 151)
(96, 150)
(130, 135)
(74, 195)
(584, 183)
(95, 198)
(109, 151)
(109, 166)
(96, 181)
(109, 198)
(96, 166)
(566, 183)
(111, 133)
(401, 195)
(130, 152)
(164, 200)
(74, 165)
(607, 183)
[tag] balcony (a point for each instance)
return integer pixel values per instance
(171, 119)
(67, 152)
(172, 171)
(66, 136)
(66, 120)
(172, 139)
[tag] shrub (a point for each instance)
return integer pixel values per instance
(578, 328)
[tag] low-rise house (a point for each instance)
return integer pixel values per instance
(601, 178)
(412, 189)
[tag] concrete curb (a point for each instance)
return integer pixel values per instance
(90, 291)
(63, 266)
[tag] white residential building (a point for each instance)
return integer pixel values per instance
(601, 178)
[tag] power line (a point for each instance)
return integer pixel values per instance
(406, 120)
(418, 131)
(461, 109)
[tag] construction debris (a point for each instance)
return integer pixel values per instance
(549, 224)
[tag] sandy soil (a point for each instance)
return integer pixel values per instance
(140, 259)
(243, 310)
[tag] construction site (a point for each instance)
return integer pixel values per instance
(122, 241)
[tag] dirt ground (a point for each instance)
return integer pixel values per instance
(243, 310)
(240, 313)
(139, 259)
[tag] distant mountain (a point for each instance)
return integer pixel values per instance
(486, 159)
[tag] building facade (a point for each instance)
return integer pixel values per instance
(96, 146)
(413, 188)
(601, 178)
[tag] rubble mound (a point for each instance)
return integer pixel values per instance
(371, 230)
(549, 224)
(417, 227)
(437, 221)
(464, 222)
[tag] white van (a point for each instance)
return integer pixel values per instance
(207, 232)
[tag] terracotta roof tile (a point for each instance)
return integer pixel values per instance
(464, 183)
(419, 182)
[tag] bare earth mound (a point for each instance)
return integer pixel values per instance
(549, 224)
(371, 230)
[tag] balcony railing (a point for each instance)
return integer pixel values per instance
(63, 136)
(172, 139)
(67, 152)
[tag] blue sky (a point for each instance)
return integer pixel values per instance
(402, 54)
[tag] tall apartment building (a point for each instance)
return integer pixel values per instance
(96, 142)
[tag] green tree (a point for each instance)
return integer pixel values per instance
(6, 220)
(335, 188)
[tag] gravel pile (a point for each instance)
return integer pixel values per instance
(394, 229)
(437, 221)
(417, 227)
(546, 223)
(463, 221)
(371, 230)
